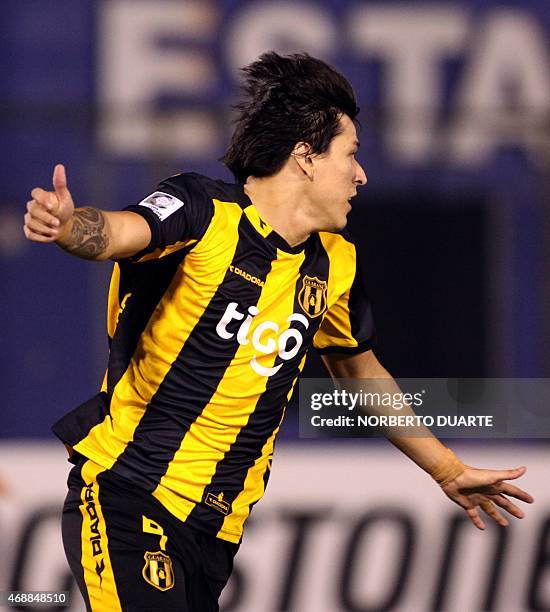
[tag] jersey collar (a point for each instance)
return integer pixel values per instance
(263, 228)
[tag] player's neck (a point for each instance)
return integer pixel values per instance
(281, 202)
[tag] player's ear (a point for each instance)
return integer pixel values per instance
(304, 159)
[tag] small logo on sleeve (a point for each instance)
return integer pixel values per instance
(217, 502)
(162, 204)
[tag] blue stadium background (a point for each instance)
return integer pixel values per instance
(453, 230)
(455, 247)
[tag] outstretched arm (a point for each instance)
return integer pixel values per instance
(87, 232)
(471, 488)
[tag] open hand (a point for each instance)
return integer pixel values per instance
(487, 489)
(49, 211)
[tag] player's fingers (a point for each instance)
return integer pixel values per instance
(510, 474)
(512, 490)
(39, 227)
(507, 505)
(475, 518)
(30, 235)
(495, 476)
(46, 198)
(37, 211)
(491, 511)
(59, 180)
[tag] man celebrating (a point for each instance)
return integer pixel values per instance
(218, 292)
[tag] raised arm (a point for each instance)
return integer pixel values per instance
(471, 488)
(87, 232)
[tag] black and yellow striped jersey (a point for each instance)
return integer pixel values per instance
(208, 329)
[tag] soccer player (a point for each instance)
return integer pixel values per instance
(218, 292)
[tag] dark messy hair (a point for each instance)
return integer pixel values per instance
(287, 99)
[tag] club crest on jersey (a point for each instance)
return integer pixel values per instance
(313, 296)
(158, 570)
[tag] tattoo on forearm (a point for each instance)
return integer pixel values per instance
(88, 237)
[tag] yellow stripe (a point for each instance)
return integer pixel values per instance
(113, 307)
(211, 436)
(261, 226)
(342, 259)
(96, 562)
(104, 383)
(191, 290)
(172, 248)
(335, 329)
(149, 526)
(253, 490)
(254, 487)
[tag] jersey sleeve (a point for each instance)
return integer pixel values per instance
(178, 213)
(348, 325)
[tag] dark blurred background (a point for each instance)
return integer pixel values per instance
(453, 232)
(452, 228)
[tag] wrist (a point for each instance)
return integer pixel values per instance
(65, 231)
(447, 469)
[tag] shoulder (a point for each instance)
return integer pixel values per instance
(199, 186)
(338, 244)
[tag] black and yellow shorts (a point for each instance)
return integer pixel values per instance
(127, 552)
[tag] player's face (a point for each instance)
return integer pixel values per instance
(337, 176)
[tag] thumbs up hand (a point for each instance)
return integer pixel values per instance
(49, 212)
(65, 205)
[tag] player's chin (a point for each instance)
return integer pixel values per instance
(342, 221)
(337, 226)
(336, 222)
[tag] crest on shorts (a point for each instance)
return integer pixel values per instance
(158, 570)
(313, 296)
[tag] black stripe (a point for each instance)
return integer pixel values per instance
(147, 282)
(231, 471)
(123, 280)
(120, 517)
(75, 426)
(360, 313)
(197, 371)
(71, 529)
(348, 350)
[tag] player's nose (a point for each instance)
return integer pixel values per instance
(360, 175)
